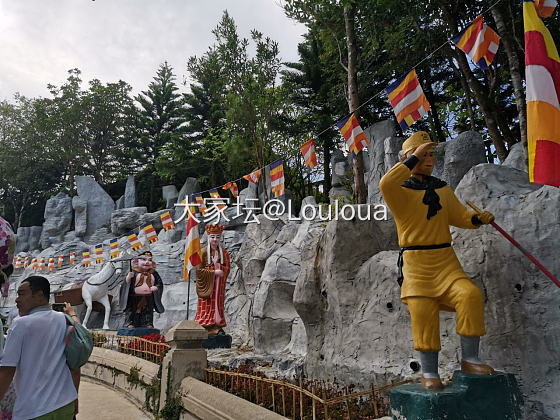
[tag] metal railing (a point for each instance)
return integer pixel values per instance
(150, 350)
(316, 401)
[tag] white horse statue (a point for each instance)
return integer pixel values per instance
(95, 289)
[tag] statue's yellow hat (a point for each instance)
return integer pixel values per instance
(416, 140)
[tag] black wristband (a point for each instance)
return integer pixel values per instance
(475, 220)
(411, 162)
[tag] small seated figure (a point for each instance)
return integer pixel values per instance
(145, 294)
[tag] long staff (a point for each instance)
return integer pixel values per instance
(516, 244)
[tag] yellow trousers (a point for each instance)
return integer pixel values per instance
(462, 297)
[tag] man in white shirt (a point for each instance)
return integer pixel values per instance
(34, 352)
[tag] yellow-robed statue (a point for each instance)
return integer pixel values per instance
(432, 278)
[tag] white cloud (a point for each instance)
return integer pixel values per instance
(121, 39)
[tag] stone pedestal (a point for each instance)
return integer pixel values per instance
(468, 397)
(186, 357)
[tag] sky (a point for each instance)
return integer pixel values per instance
(40, 40)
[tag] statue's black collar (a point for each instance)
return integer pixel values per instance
(430, 184)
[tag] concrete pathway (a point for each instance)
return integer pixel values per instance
(100, 402)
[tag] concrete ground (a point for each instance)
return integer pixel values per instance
(100, 402)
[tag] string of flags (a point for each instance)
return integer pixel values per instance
(480, 43)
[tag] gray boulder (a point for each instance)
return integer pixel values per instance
(130, 192)
(189, 187)
(459, 155)
(517, 157)
(170, 195)
(153, 218)
(80, 216)
(58, 219)
(521, 302)
(99, 204)
(119, 204)
(339, 167)
(125, 220)
(383, 155)
(28, 238)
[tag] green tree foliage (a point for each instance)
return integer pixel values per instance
(161, 129)
(29, 168)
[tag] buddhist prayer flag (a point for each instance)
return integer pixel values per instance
(34, 264)
(254, 176)
(114, 245)
(134, 241)
(407, 99)
(26, 262)
(479, 42)
(214, 194)
(277, 178)
(542, 70)
(51, 264)
(309, 155)
(72, 257)
(353, 134)
(193, 253)
(99, 254)
(86, 260)
(545, 8)
(150, 232)
(232, 186)
(60, 260)
(42, 264)
(18, 262)
(200, 202)
(167, 221)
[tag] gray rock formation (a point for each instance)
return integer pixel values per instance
(459, 155)
(153, 218)
(130, 193)
(99, 204)
(125, 220)
(517, 157)
(339, 171)
(521, 302)
(80, 216)
(170, 195)
(119, 204)
(28, 238)
(58, 219)
(189, 187)
(384, 153)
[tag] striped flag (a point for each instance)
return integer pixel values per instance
(42, 264)
(151, 233)
(167, 221)
(200, 202)
(277, 178)
(114, 245)
(26, 262)
(545, 8)
(86, 260)
(34, 264)
(134, 241)
(72, 257)
(479, 42)
(215, 195)
(254, 176)
(309, 155)
(18, 262)
(232, 186)
(407, 99)
(353, 134)
(99, 254)
(542, 70)
(60, 260)
(51, 264)
(193, 253)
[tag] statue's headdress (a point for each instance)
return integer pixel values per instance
(214, 229)
(415, 140)
(145, 254)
